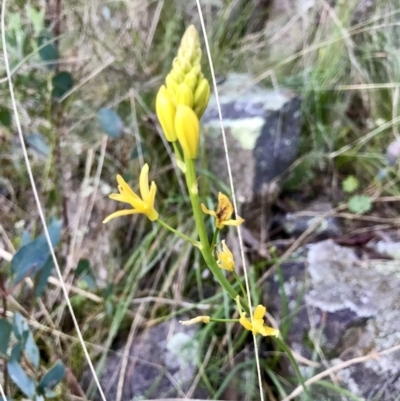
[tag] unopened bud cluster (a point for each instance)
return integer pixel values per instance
(182, 100)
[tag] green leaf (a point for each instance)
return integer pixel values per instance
(53, 376)
(26, 340)
(16, 352)
(5, 117)
(359, 204)
(21, 379)
(350, 184)
(42, 277)
(62, 83)
(47, 50)
(19, 325)
(37, 142)
(5, 333)
(32, 350)
(36, 17)
(110, 122)
(31, 258)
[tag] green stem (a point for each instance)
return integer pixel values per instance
(214, 240)
(201, 229)
(240, 284)
(176, 151)
(185, 237)
(213, 319)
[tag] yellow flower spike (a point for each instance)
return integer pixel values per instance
(223, 212)
(187, 128)
(191, 81)
(165, 110)
(172, 85)
(198, 319)
(184, 95)
(256, 326)
(143, 204)
(225, 258)
(201, 97)
(177, 75)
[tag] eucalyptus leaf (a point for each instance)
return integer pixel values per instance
(21, 379)
(31, 258)
(5, 333)
(32, 350)
(110, 122)
(42, 277)
(37, 143)
(47, 49)
(19, 325)
(53, 376)
(62, 83)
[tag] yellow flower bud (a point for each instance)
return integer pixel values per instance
(187, 128)
(201, 97)
(184, 95)
(165, 110)
(171, 84)
(191, 81)
(176, 73)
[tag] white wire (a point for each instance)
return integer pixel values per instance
(37, 200)
(2, 393)
(232, 187)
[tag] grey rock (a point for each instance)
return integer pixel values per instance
(162, 364)
(262, 132)
(354, 306)
(294, 224)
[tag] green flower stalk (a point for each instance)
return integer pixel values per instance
(180, 103)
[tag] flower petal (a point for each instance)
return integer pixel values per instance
(152, 194)
(224, 208)
(269, 331)
(125, 187)
(144, 182)
(119, 213)
(236, 222)
(245, 322)
(259, 312)
(208, 211)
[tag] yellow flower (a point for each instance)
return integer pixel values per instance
(223, 213)
(225, 258)
(257, 325)
(187, 128)
(144, 205)
(198, 319)
(201, 97)
(165, 110)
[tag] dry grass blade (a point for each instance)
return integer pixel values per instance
(346, 364)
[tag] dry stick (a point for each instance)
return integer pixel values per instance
(350, 362)
(36, 196)
(232, 186)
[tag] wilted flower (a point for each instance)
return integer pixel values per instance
(225, 258)
(144, 205)
(223, 212)
(257, 325)
(198, 319)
